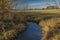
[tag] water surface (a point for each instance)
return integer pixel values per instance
(33, 32)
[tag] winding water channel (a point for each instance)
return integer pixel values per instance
(33, 32)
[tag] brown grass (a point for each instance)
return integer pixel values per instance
(44, 11)
(49, 28)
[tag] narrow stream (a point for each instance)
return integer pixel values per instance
(33, 32)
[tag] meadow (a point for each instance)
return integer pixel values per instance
(15, 22)
(49, 11)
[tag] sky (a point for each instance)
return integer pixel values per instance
(32, 4)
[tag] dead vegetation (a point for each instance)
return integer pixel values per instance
(10, 26)
(50, 29)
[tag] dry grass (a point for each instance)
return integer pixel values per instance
(10, 28)
(47, 27)
(50, 30)
(43, 11)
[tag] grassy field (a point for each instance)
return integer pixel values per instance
(45, 11)
(55, 11)
(47, 19)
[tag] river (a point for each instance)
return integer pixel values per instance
(33, 32)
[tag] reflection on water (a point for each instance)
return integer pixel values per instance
(33, 32)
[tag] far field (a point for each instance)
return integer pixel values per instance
(49, 11)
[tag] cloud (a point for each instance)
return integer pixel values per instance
(39, 4)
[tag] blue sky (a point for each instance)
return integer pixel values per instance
(32, 4)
